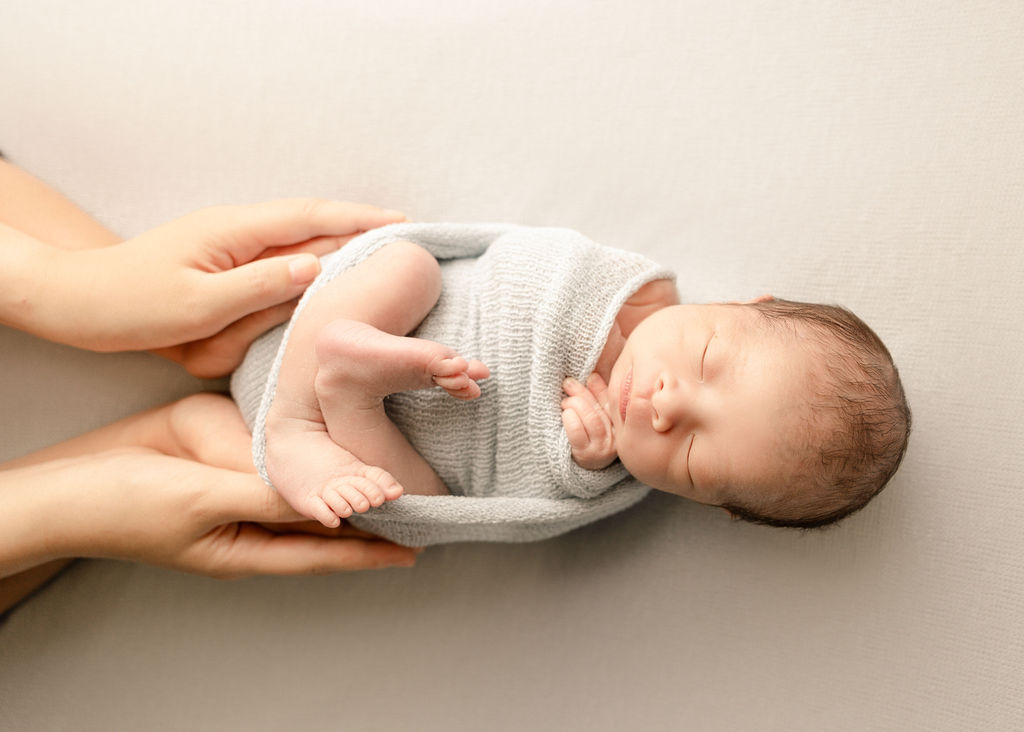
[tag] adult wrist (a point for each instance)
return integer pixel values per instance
(23, 263)
(32, 518)
(39, 295)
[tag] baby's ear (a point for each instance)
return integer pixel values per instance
(761, 298)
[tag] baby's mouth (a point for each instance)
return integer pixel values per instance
(624, 391)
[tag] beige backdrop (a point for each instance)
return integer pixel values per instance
(865, 153)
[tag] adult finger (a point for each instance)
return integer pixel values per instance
(257, 551)
(316, 528)
(220, 354)
(249, 229)
(208, 428)
(235, 293)
(242, 496)
(319, 246)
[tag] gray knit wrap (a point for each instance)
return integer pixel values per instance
(534, 304)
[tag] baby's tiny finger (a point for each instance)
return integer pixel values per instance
(597, 386)
(574, 429)
(596, 421)
(572, 387)
(585, 399)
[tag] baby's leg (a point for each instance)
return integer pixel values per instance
(334, 375)
(359, 365)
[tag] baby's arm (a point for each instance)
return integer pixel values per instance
(587, 424)
(331, 449)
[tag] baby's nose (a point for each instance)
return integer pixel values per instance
(670, 403)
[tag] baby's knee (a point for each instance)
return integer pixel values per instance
(413, 269)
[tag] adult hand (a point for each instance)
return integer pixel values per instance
(197, 290)
(173, 489)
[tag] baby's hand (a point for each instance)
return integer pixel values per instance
(587, 423)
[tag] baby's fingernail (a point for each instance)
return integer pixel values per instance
(304, 268)
(393, 214)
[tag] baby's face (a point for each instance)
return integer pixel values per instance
(702, 398)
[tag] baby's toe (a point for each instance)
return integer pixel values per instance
(477, 370)
(468, 391)
(448, 366)
(353, 489)
(320, 510)
(385, 482)
(455, 382)
(369, 489)
(337, 502)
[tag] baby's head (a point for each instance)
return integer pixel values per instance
(784, 413)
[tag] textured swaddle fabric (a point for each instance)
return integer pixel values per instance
(534, 304)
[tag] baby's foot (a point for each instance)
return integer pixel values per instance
(356, 357)
(322, 480)
(458, 376)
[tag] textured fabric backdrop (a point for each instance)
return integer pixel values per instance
(866, 153)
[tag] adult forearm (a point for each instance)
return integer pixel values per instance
(17, 587)
(74, 297)
(30, 510)
(33, 293)
(31, 206)
(172, 487)
(37, 498)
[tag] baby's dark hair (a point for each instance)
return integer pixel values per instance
(858, 423)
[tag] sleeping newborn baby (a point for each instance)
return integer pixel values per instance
(512, 383)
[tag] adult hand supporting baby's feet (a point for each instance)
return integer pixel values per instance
(587, 424)
(174, 487)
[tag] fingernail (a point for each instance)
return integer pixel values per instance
(393, 214)
(304, 268)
